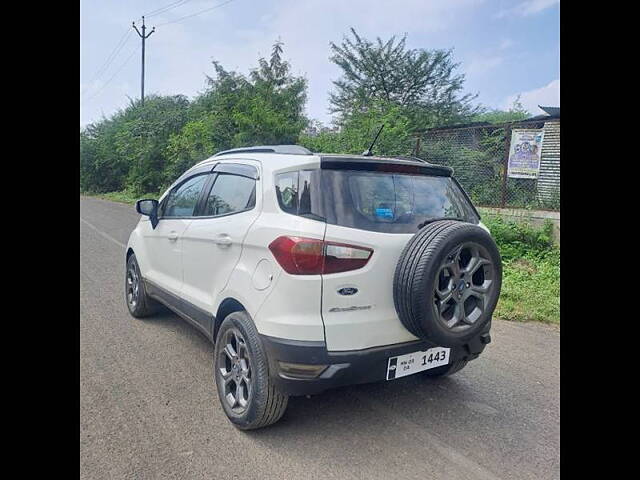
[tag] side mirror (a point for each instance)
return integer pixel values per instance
(149, 208)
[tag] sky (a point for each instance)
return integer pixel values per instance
(505, 48)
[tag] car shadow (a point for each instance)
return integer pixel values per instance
(343, 413)
(168, 320)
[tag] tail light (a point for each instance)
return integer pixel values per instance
(309, 256)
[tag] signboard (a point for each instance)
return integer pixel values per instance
(524, 153)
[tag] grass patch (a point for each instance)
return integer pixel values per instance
(127, 197)
(530, 291)
(531, 271)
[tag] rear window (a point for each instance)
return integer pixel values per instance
(375, 201)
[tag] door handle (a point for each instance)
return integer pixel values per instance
(173, 236)
(223, 240)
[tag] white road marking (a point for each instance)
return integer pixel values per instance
(104, 234)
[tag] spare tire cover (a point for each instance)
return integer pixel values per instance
(447, 282)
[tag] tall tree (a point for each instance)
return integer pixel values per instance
(516, 112)
(424, 82)
(267, 107)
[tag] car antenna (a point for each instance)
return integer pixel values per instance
(367, 152)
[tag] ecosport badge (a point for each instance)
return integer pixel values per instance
(349, 309)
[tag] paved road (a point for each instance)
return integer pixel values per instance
(148, 406)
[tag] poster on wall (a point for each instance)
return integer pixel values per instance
(524, 153)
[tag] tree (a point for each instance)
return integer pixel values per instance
(271, 110)
(144, 148)
(358, 133)
(421, 81)
(515, 113)
(267, 107)
(144, 136)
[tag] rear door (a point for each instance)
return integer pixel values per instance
(213, 241)
(366, 318)
(379, 210)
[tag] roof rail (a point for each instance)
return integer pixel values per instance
(286, 149)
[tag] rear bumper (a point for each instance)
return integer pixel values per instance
(348, 367)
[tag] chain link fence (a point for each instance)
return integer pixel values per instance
(479, 157)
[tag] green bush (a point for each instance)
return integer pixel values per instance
(531, 271)
(531, 290)
(520, 240)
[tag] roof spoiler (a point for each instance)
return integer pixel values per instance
(385, 164)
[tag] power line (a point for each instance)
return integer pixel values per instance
(114, 75)
(112, 56)
(166, 8)
(123, 40)
(196, 13)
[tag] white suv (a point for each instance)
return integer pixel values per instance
(311, 271)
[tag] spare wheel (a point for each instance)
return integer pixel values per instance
(447, 282)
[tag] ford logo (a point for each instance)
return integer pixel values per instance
(348, 291)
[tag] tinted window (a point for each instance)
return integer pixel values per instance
(388, 202)
(297, 193)
(230, 193)
(287, 191)
(307, 194)
(182, 200)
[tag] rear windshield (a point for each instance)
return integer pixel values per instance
(376, 201)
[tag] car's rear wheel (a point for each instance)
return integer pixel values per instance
(138, 302)
(241, 370)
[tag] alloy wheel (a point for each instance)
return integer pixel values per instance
(234, 370)
(133, 285)
(464, 286)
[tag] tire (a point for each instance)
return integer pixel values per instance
(254, 402)
(447, 282)
(140, 305)
(446, 370)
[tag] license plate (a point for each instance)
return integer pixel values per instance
(415, 362)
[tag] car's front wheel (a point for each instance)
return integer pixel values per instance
(241, 371)
(139, 303)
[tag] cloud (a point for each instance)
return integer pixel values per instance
(306, 46)
(482, 65)
(527, 8)
(547, 96)
(506, 43)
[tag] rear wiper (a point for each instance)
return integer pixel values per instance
(435, 219)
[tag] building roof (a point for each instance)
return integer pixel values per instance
(552, 111)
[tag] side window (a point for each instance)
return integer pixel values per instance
(182, 200)
(287, 192)
(305, 204)
(230, 194)
(296, 193)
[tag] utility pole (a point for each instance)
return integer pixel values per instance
(143, 37)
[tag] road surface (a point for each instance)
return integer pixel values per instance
(149, 409)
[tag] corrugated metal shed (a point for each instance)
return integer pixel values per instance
(549, 176)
